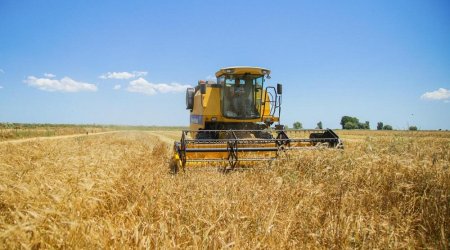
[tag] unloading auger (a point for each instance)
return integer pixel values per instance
(230, 123)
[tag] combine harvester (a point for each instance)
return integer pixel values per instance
(231, 119)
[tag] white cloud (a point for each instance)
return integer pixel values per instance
(141, 85)
(117, 87)
(440, 94)
(1, 87)
(66, 84)
(49, 75)
(123, 75)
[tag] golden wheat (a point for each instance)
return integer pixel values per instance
(385, 190)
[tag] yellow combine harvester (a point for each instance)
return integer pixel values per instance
(231, 119)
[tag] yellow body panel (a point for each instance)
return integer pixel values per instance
(208, 107)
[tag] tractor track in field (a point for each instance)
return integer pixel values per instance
(165, 136)
(31, 139)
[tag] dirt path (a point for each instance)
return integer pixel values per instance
(165, 136)
(56, 137)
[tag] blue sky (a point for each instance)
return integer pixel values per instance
(128, 62)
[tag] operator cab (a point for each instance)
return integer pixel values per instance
(242, 91)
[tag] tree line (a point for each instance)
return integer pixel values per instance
(299, 125)
(350, 122)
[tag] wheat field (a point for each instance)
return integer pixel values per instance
(385, 190)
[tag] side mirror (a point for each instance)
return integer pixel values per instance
(190, 98)
(279, 88)
(203, 89)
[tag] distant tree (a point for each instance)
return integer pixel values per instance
(351, 125)
(319, 125)
(387, 127)
(347, 119)
(354, 123)
(413, 128)
(365, 125)
(297, 125)
(380, 126)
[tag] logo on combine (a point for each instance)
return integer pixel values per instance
(196, 119)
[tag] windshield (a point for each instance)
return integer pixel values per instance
(241, 96)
